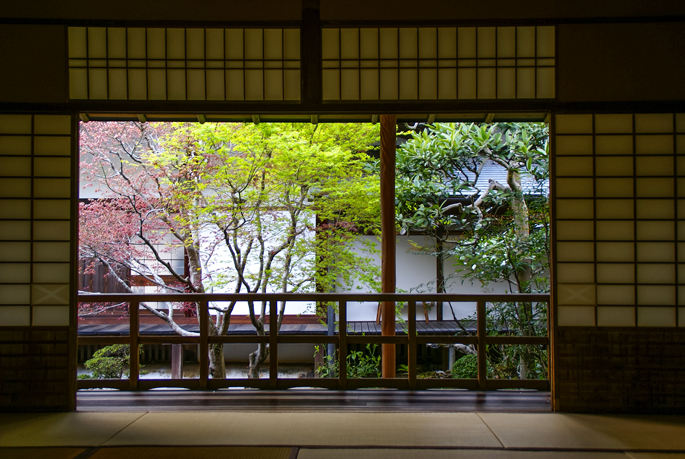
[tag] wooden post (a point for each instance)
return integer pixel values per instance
(482, 347)
(177, 361)
(134, 355)
(388, 139)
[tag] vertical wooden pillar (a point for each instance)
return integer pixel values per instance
(388, 139)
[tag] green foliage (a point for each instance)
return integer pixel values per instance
(110, 362)
(360, 364)
(466, 367)
(493, 232)
(265, 188)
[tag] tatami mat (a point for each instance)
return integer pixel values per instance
(450, 454)
(40, 453)
(336, 435)
(304, 429)
(62, 429)
(652, 455)
(557, 430)
(194, 452)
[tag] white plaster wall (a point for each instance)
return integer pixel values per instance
(416, 273)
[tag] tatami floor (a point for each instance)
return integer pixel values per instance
(310, 433)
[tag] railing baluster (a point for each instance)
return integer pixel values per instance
(482, 348)
(342, 339)
(273, 344)
(411, 345)
(204, 344)
(342, 348)
(133, 331)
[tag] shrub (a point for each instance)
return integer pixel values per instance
(466, 367)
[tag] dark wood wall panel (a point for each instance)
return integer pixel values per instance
(620, 369)
(33, 64)
(34, 369)
(620, 62)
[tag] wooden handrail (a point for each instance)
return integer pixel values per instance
(348, 297)
(342, 340)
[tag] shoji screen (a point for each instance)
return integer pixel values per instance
(35, 232)
(108, 63)
(412, 63)
(620, 207)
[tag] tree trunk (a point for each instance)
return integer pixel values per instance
(217, 365)
(524, 274)
(440, 275)
(256, 359)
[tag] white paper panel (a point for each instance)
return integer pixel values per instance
(654, 144)
(51, 230)
(656, 273)
(656, 230)
(15, 316)
(614, 208)
(655, 187)
(574, 187)
(614, 187)
(614, 145)
(619, 316)
(656, 317)
(573, 145)
(53, 294)
(546, 41)
(576, 294)
(575, 166)
(575, 230)
(15, 188)
(615, 230)
(487, 83)
(615, 251)
(15, 145)
(408, 84)
(51, 272)
(77, 42)
(15, 208)
(52, 146)
(14, 294)
(573, 124)
(466, 79)
(615, 273)
(15, 251)
(15, 167)
(656, 123)
(51, 251)
(615, 294)
(11, 273)
(575, 273)
(655, 208)
(575, 251)
(660, 295)
(570, 316)
(51, 315)
(656, 251)
(613, 124)
(545, 83)
(574, 208)
(52, 188)
(15, 230)
(52, 209)
(614, 166)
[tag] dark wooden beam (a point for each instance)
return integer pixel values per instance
(310, 53)
(388, 138)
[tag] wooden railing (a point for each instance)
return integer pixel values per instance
(341, 340)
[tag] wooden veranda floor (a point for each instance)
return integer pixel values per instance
(302, 400)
